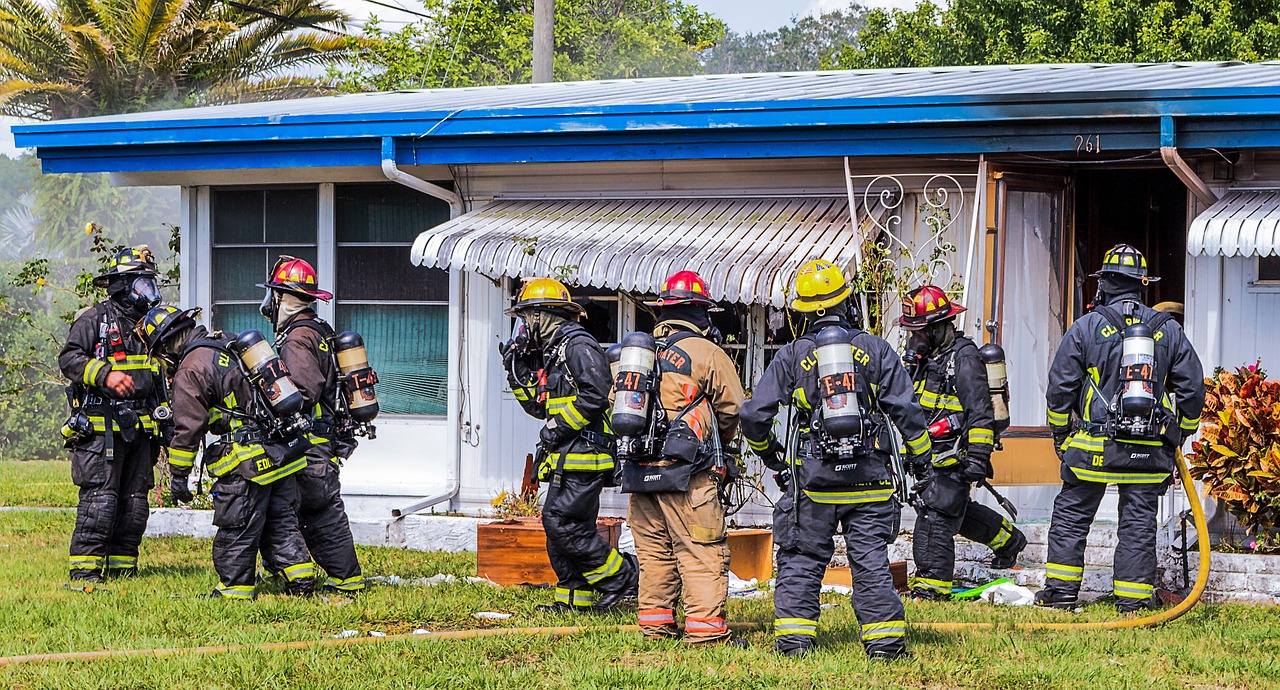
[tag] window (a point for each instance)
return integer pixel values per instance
(250, 229)
(1269, 269)
(402, 310)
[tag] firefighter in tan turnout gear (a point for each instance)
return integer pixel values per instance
(306, 344)
(844, 386)
(675, 410)
(237, 387)
(558, 372)
(113, 436)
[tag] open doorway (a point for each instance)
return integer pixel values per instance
(1145, 208)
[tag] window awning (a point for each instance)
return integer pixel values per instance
(746, 249)
(1242, 223)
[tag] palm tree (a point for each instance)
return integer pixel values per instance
(76, 58)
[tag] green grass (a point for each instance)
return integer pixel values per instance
(45, 483)
(1212, 647)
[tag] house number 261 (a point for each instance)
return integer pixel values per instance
(1088, 143)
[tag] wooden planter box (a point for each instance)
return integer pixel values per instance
(751, 554)
(514, 552)
(842, 576)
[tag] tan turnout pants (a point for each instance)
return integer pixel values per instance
(681, 546)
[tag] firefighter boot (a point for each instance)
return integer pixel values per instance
(1055, 599)
(613, 592)
(1007, 555)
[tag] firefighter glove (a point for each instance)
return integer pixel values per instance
(976, 468)
(919, 465)
(772, 457)
(179, 488)
(1059, 438)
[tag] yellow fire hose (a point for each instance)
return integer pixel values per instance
(1202, 578)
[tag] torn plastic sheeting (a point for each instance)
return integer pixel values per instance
(346, 634)
(744, 589)
(492, 615)
(437, 579)
(1009, 594)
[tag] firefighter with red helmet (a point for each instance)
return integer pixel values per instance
(112, 433)
(306, 344)
(559, 373)
(846, 386)
(951, 385)
(674, 472)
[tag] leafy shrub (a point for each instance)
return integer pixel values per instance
(1238, 454)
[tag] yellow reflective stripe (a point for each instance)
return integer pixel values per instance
(571, 416)
(933, 585)
(848, 497)
(1119, 477)
(934, 401)
(986, 436)
(583, 462)
(182, 458)
(795, 626)
(759, 445)
(279, 472)
(317, 440)
(238, 453)
(235, 591)
(1058, 418)
(1002, 537)
(1133, 590)
(91, 369)
(947, 462)
(85, 562)
(100, 423)
(581, 598)
(877, 631)
(230, 400)
(1069, 573)
(1086, 442)
(131, 366)
(1188, 423)
(800, 399)
(608, 569)
(521, 394)
(554, 404)
(349, 584)
(1088, 396)
(299, 571)
(920, 444)
(122, 562)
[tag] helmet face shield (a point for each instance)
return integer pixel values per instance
(268, 306)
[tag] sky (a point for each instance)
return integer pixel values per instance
(742, 16)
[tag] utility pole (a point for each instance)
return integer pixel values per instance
(544, 19)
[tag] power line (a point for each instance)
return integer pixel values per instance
(287, 20)
(456, 40)
(399, 9)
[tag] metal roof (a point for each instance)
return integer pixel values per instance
(1242, 223)
(746, 249)
(933, 111)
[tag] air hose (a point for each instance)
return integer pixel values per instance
(1158, 618)
(1202, 578)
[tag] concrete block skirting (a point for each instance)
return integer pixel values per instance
(1233, 577)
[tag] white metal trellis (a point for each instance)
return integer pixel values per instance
(875, 203)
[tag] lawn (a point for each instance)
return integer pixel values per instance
(1214, 646)
(45, 483)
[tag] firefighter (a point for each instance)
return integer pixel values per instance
(842, 383)
(951, 385)
(559, 373)
(113, 437)
(305, 343)
(1125, 390)
(675, 512)
(255, 495)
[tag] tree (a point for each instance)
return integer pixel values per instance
(981, 32)
(76, 58)
(480, 42)
(807, 43)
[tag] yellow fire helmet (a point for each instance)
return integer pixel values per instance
(544, 292)
(820, 284)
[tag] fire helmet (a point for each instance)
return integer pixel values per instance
(927, 305)
(162, 323)
(820, 284)
(296, 277)
(683, 287)
(544, 293)
(1125, 260)
(133, 262)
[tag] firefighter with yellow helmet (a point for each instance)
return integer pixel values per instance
(845, 386)
(559, 373)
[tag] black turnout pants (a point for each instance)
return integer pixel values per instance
(113, 509)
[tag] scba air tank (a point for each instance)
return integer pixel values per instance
(358, 377)
(841, 415)
(268, 372)
(992, 356)
(631, 384)
(1137, 372)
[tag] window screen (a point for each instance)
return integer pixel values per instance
(251, 228)
(401, 309)
(1269, 269)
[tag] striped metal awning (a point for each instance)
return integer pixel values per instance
(746, 249)
(1242, 223)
